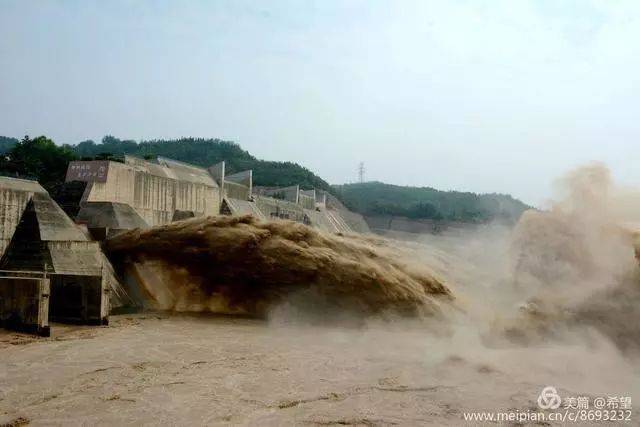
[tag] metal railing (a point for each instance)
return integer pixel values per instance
(23, 274)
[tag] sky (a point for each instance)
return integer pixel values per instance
(482, 96)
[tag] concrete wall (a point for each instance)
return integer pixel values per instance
(306, 206)
(40, 237)
(290, 194)
(245, 178)
(274, 209)
(217, 173)
(156, 191)
(236, 190)
(355, 221)
(293, 194)
(384, 223)
(236, 186)
(162, 191)
(53, 222)
(239, 185)
(12, 204)
(24, 304)
(307, 201)
(321, 198)
(111, 217)
(321, 221)
(240, 207)
(14, 195)
(328, 220)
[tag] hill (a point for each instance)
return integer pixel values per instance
(377, 198)
(41, 159)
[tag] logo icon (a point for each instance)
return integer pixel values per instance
(549, 398)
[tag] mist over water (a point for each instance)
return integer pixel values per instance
(551, 301)
(552, 271)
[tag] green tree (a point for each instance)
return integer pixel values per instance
(40, 159)
(206, 152)
(377, 198)
(6, 144)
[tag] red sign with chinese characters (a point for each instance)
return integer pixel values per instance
(95, 170)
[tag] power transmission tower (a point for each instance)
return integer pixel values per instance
(361, 172)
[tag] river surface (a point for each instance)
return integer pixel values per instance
(152, 369)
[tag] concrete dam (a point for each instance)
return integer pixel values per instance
(139, 193)
(52, 267)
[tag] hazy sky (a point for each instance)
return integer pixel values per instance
(485, 96)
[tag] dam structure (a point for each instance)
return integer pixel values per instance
(140, 193)
(49, 266)
(52, 267)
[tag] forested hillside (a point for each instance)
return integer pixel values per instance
(377, 198)
(41, 159)
(38, 158)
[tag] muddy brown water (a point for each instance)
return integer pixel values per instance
(165, 369)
